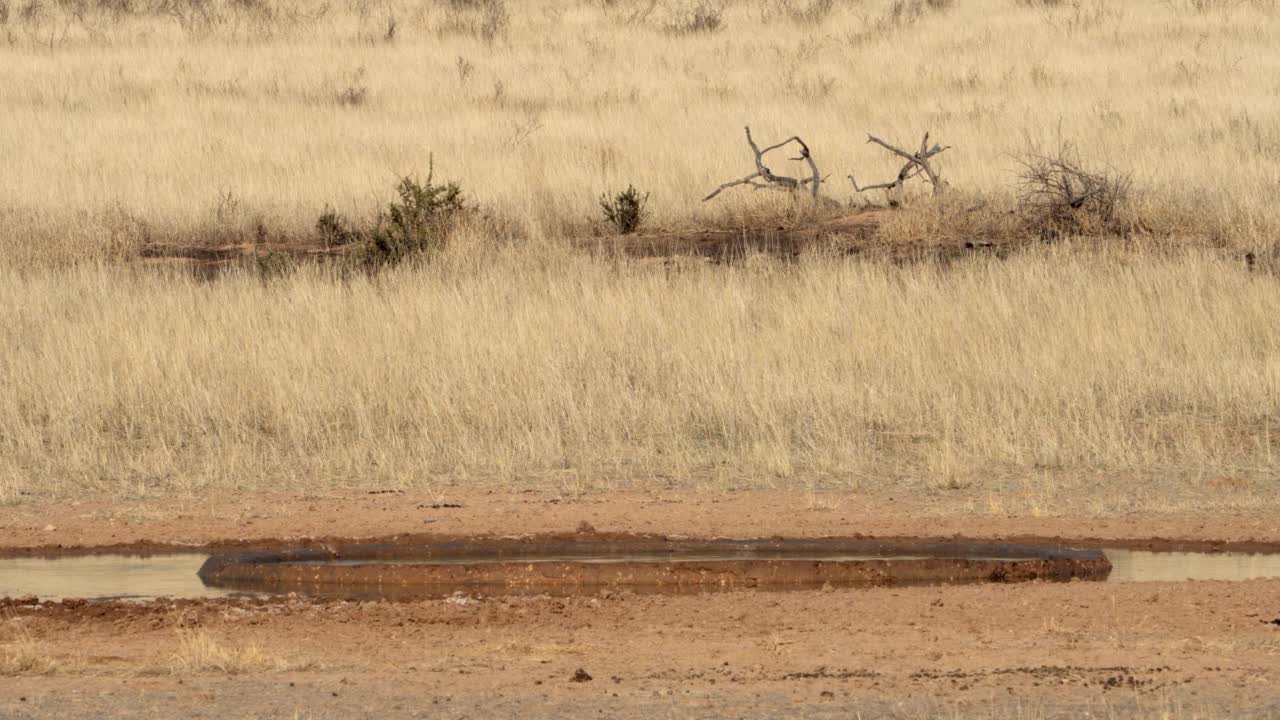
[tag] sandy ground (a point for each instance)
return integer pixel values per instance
(1201, 649)
(370, 514)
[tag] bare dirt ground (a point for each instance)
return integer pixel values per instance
(1201, 649)
(357, 513)
(1040, 648)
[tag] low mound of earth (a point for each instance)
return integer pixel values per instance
(849, 233)
(853, 233)
(1187, 649)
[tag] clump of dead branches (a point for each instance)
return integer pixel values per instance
(916, 164)
(765, 179)
(1059, 196)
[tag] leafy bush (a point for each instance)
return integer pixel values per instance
(334, 229)
(419, 222)
(626, 211)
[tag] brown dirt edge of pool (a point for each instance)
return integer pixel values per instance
(590, 562)
(156, 547)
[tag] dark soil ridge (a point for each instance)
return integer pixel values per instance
(160, 547)
(667, 565)
(844, 233)
(853, 233)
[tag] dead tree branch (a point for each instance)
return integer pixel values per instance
(917, 163)
(770, 180)
(1061, 196)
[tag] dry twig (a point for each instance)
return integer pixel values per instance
(916, 164)
(770, 180)
(1055, 187)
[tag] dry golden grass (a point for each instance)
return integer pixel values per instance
(219, 116)
(1130, 378)
(1032, 376)
(200, 652)
(21, 654)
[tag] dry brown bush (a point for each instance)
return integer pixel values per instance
(1058, 196)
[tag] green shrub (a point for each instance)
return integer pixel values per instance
(419, 222)
(334, 229)
(626, 211)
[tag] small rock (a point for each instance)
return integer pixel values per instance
(49, 528)
(580, 676)
(586, 527)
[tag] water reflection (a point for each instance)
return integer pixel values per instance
(1142, 566)
(143, 578)
(105, 577)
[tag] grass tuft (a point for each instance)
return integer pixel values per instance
(200, 652)
(23, 655)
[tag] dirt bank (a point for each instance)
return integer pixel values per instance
(1036, 649)
(260, 519)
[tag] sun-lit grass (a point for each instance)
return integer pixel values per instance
(511, 359)
(21, 654)
(568, 370)
(200, 652)
(214, 118)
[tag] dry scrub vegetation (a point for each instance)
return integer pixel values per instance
(22, 654)
(200, 652)
(1069, 370)
(129, 121)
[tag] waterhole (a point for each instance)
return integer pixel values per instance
(106, 577)
(405, 571)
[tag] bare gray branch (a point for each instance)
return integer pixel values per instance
(773, 181)
(916, 164)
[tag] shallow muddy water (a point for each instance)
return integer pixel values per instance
(134, 577)
(106, 577)
(1142, 566)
